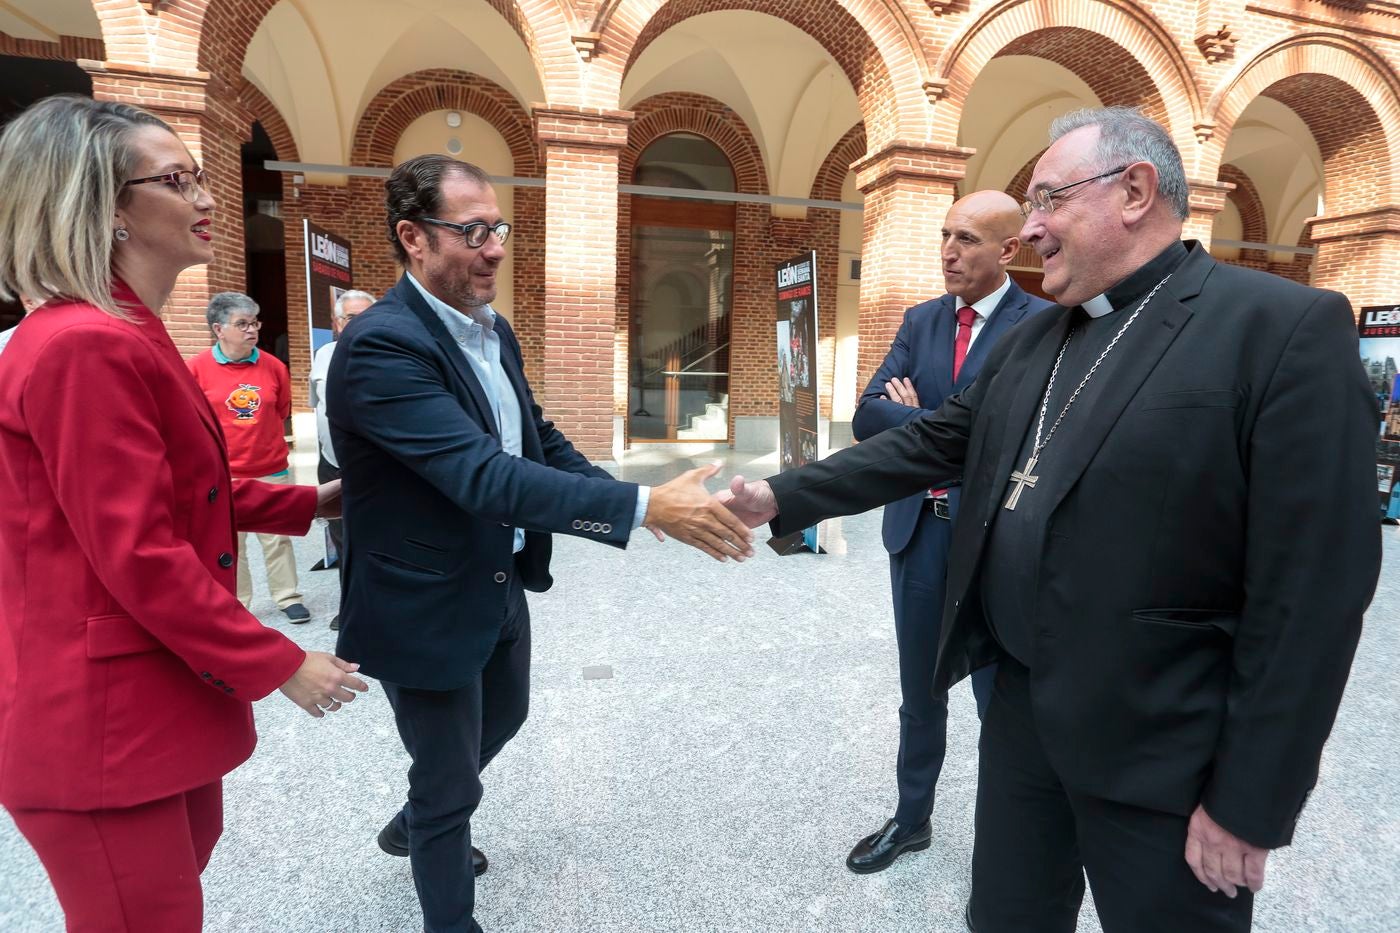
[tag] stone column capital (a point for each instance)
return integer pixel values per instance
(1208, 197)
(581, 127)
(902, 160)
(137, 77)
(1384, 219)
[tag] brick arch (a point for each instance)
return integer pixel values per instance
(1141, 63)
(405, 99)
(378, 131)
(831, 177)
(1021, 182)
(1253, 222)
(874, 44)
(126, 34)
(1348, 97)
(679, 112)
(265, 112)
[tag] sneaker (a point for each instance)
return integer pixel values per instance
(335, 623)
(297, 613)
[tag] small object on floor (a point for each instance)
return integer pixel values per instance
(335, 623)
(393, 842)
(878, 851)
(297, 613)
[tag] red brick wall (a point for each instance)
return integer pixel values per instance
(185, 62)
(580, 149)
(392, 110)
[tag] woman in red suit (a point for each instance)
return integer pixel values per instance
(127, 665)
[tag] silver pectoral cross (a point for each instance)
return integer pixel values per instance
(1022, 478)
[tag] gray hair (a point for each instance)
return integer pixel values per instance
(1127, 136)
(222, 305)
(353, 294)
(64, 162)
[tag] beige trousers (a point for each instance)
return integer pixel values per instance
(277, 554)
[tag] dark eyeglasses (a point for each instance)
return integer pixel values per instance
(1044, 201)
(188, 183)
(474, 233)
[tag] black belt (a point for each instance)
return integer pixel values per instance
(939, 508)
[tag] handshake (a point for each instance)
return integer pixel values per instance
(716, 524)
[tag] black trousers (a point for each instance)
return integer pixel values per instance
(917, 578)
(1036, 840)
(452, 735)
(324, 474)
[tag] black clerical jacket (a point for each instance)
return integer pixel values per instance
(1211, 546)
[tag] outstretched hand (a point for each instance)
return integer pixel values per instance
(752, 503)
(684, 509)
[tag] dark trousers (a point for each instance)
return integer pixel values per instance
(324, 474)
(1037, 839)
(917, 576)
(452, 735)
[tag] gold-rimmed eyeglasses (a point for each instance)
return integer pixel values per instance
(1043, 200)
(188, 183)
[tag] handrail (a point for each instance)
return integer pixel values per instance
(723, 346)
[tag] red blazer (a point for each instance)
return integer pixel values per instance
(127, 666)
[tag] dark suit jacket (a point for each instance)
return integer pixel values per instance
(1212, 547)
(923, 352)
(431, 498)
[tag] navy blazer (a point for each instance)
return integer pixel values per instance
(923, 352)
(431, 500)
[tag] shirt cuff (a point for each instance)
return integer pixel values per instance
(643, 498)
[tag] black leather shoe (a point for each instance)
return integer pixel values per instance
(967, 917)
(335, 623)
(394, 843)
(878, 851)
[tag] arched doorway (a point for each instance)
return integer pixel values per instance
(682, 278)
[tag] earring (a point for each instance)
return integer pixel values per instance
(121, 234)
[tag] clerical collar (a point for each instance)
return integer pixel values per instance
(1135, 286)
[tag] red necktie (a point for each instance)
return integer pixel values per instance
(965, 318)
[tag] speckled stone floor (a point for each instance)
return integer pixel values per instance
(716, 780)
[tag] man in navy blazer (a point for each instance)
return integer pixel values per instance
(937, 353)
(453, 483)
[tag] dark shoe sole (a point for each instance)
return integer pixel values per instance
(392, 846)
(872, 869)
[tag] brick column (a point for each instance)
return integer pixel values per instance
(203, 111)
(1359, 255)
(579, 148)
(1207, 199)
(908, 189)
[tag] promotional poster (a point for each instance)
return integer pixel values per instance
(1379, 329)
(797, 379)
(328, 275)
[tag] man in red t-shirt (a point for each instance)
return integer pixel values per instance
(250, 392)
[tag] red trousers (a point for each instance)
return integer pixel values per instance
(132, 869)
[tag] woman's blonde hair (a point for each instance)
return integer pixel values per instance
(64, 162)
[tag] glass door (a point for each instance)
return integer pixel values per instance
(678, 386)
